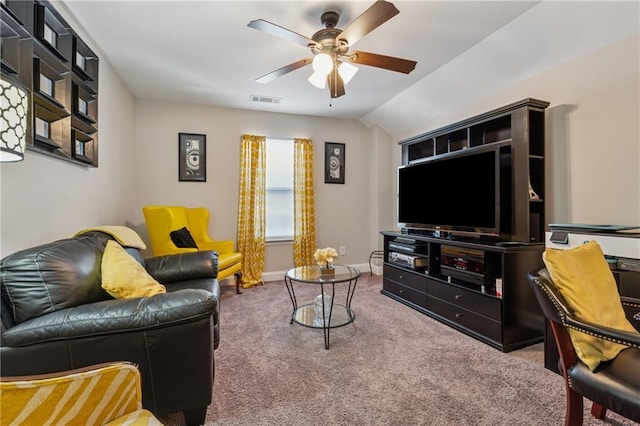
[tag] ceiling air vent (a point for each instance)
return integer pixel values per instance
(265, 99)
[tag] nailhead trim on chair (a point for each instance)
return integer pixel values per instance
(564, 323)
(600, 336)
(552, 298)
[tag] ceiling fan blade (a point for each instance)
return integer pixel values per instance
(381, 61)
(379, 13)
(284, 70)
(336, 85)
(277, 30)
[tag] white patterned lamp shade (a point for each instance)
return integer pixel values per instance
(14, 104)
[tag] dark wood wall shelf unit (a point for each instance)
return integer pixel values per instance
(43, 55)
(488, 298)
(474, 283)
(519, 129)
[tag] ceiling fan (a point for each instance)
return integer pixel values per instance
(332, 60)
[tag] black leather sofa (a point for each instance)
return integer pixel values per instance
(73, 322)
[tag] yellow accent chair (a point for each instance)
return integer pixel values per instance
(103, 394)
(161, 221)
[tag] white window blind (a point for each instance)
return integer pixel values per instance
(279, 190)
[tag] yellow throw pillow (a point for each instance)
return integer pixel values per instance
(584, 279)
(123, 276)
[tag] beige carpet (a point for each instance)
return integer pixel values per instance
(392, 366)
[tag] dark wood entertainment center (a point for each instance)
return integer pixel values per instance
(473, 282)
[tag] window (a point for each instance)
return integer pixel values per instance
(279, 190)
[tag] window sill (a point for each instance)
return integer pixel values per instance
(279, 241)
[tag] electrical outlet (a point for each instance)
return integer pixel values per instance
(343, 250)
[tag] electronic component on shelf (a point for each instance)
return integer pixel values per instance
(406, 241)
(629, 264)
(409, 248)
(464, 259)
(463, 263)
(413, 262)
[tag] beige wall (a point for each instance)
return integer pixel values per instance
(592, 133)
(343, 211)
(381, 195)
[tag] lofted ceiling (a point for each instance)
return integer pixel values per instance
(203, 52)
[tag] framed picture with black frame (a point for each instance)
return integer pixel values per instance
(334, 162)
(192, 157)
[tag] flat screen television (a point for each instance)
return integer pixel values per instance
(459, 193)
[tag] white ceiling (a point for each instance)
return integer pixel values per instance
(203, 52)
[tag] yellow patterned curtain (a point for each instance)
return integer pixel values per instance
(304, 212)
(251, 209)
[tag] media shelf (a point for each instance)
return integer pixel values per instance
(517, 131)
(477, 287)
(409, 253)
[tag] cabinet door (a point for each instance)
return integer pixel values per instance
(406, 285)
(405, 278)
(469, 300)
(467, 319)
(406, 293)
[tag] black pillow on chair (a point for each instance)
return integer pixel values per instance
(182, 238)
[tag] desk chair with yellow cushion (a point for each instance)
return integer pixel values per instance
(177, 229)
(599, 347)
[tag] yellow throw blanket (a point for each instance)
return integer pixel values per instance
(127, 237)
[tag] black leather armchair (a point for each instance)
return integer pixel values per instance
(615, 384)
(56, 316)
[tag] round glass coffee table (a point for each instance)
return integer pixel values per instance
(323, 312)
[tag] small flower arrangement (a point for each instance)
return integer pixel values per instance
(325, 256)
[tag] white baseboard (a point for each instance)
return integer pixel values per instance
(376, 269)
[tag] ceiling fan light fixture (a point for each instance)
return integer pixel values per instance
(347, 71)
(329, 45)
(318, 79)
(322, 64)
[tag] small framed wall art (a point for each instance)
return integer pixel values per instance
(192, 157)
(334, 164)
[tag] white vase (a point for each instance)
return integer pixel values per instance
(317, 305)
